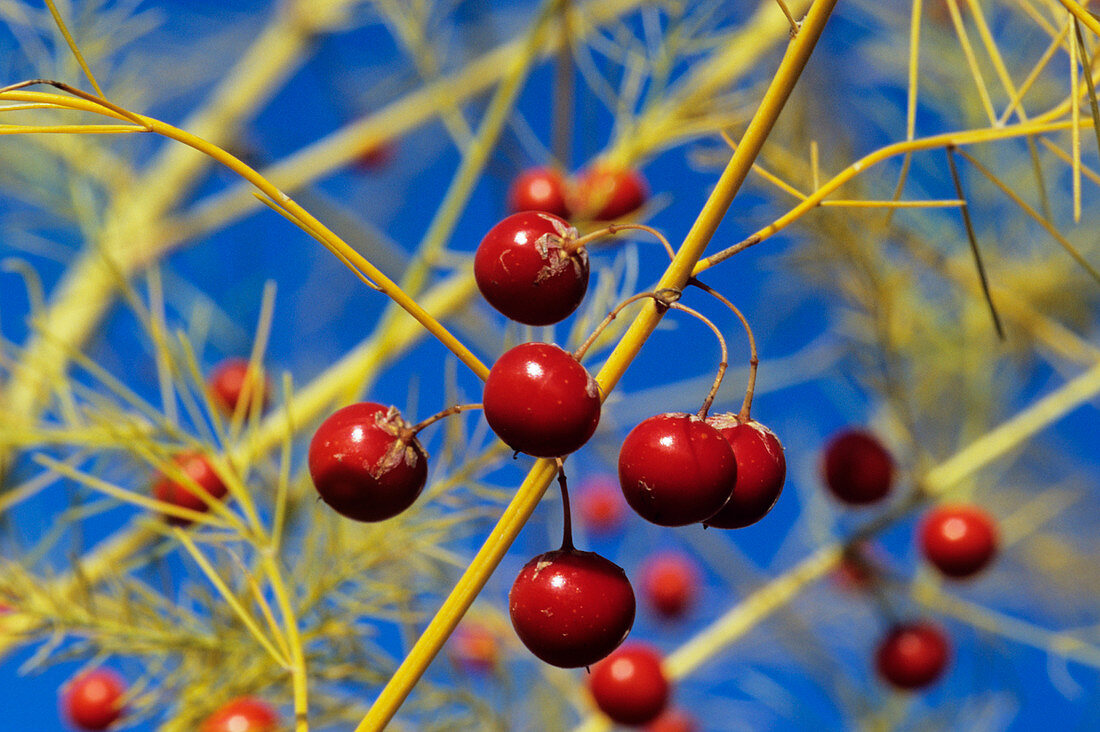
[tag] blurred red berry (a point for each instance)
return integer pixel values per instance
(539, 189)
(231, 381)
(958, 540)
(606, 193)
(93, 700)
(474, 648)
(858, 469)
(630, 685)
(244, 714)
(601, 505)
(182, 493)
(670, 583)
(912, 655)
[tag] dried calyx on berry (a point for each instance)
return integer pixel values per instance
(761, 471)
(527, 268)
(367, 463)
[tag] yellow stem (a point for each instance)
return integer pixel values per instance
(298, 671)
(955, 139)
(429, 643)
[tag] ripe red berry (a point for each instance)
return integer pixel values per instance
(524, 270)
(571, 608)
(858, 469)
(959, 540)
(244, 714)
(670, 583)
(541, 401)
(601, 505)
(474, 648)
(539, 189)
(93, 700)
(675, 469)
(629, 686)
(673, 720)
(230, 382)
(365, 465)
(912, 655)
(605, 194)
(761, 470)
(182, 493)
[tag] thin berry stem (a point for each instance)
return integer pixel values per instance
(567, 519)
(661, 297)
(722, 364)
(754, 359)
(449, 411)
(611, 230)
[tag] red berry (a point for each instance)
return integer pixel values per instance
(858, 469)
(959, 540)
(912, 655)
(571, 608)
(761, 470)
(605, 194)
(541, 401)
(675, 469)
(93, 700)
(365, 465)
(244, 714)
(670, 583)
(230, 382)
(629, 686)
(601, 505)
(539, 189)
(524, 270)
(673, 720)
(474, 648)
(182, 493)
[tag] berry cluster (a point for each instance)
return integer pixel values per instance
(600, 193)
(959, 540)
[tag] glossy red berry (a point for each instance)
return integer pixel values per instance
(524, 270)
(231, 381)
(675, 469)
(959, 540)
(670, 583)
(365, 465)
(673, 720)
(606, 193)
(761, 471)
(474, 648)
(571, 608)
(179, 492)
(244, 714)
(858, 469)
(600, 505)
(912, 655)
(539, 189)
(93, 700)
(541, 401)
(630, 686)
